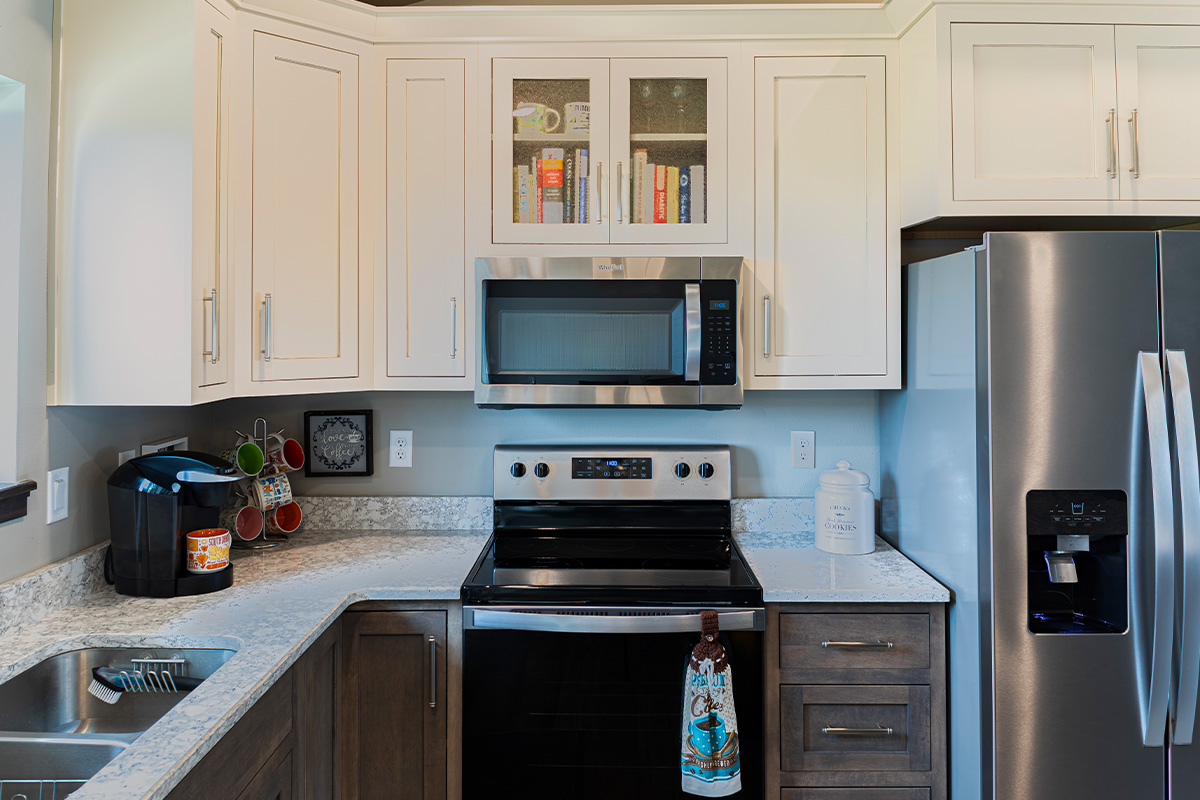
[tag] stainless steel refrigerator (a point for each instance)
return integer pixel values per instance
(1041, 461)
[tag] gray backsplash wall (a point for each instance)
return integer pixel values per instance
(453, 440)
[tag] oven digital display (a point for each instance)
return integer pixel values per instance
(611, 468)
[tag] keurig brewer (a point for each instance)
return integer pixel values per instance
(153, 502)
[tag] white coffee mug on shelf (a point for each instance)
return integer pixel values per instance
(578, 117)
(535, 118)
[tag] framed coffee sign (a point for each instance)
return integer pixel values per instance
(338, 443)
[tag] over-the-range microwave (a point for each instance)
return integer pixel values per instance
(576, 331)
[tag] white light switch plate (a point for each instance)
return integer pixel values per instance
(804, 445)
(400, 449)
(58, 498)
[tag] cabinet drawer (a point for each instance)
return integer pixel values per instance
(854, 794)
(845, 728)
(849, 641)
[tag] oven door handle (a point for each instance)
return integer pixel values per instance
(691, 329)
(549, 622)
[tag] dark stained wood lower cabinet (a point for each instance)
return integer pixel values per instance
(274, 780)
(394, 725)
(856, 702)
(318, 718)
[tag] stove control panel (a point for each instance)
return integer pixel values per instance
(612, 472)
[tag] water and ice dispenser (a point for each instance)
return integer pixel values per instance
(1078, 544)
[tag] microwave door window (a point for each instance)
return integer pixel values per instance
(585, 340)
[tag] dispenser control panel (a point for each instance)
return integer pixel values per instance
(1076, 512)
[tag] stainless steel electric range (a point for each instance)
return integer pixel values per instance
(581, 612)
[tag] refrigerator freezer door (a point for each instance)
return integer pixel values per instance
(1068, 315)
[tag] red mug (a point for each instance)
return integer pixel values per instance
(285, 519)
(285, 455)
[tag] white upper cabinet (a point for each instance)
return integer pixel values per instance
(819, 304)
(599, 150)
(1035, 112)
(305, 211)
(143, 284)
(1158, 90)
(426, 146)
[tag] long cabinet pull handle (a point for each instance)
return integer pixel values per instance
(1136, 169)
(432, 672)
(1160, 616)
(1182, 732)
(453, 327)
(266, 348)
(875, 645)
(766, 326)
(599, 181)
(877, 731)
(1113, 143)
(620, 195)
(212, 351)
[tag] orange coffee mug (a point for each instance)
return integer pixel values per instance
(208, 550)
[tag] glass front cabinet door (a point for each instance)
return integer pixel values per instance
(629, 151)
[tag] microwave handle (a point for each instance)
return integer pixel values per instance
(691, 326)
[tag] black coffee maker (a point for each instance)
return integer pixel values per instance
(153, 503)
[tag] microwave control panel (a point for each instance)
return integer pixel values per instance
(719, 332)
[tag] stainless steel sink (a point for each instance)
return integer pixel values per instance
(54, 735)
(52, 696)
(50, 767)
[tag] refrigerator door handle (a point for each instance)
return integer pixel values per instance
(1154, 716)
(1189, 492)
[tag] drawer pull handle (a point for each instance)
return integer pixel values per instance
(877, 731)
(876, 645)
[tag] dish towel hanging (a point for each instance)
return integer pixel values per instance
(710, 759)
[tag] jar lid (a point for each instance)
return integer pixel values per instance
(844, 476)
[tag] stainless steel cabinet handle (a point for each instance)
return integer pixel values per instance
(876, 645)
(1157, 663)
(878, 731)
(266, 348)
(1136, 169)
(432, 672)
(214, 348)
(620, 196)
(766, 326)
(691, 324)
(1112, 143)
(1189, 492)
(453, 327)
(599, 181)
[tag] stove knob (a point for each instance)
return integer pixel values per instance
(541, 469)
(705, 470)
(682, 470)
(517, 470)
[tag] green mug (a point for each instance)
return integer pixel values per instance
(247, 457)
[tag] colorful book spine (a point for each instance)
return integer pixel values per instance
(685, 195)
(660, 193)
(640, 160)
(540, 178)
(523, 194)
(699, 210)
(569, 185)
(583, 185)
(647, 199)
(552, 185)
(516, 184)
(673, 195)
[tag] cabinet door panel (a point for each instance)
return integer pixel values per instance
(1158, 76)
(305, 210)
(394, 726)
(528, 85)
(210, 212)
(1033, 112)
(820, 213)
(675, 109)
(426, 213)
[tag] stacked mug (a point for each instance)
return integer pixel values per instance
(270, 507)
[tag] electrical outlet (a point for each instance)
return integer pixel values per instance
(804, 445)
(400, 449)
(59, 481)
(125, 455)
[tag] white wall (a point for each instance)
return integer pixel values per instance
(12, 140)
(84, 439)
(453, 440)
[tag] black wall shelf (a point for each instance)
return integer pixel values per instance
(14, 499)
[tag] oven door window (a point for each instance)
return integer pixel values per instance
(548, 716)
(585, 332)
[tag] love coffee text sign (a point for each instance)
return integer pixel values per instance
(339, 443)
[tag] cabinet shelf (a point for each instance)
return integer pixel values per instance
(668, 137)
(551, 137)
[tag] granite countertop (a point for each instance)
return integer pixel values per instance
(283, 599)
